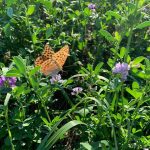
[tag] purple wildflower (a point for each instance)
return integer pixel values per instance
(2, 80)
(11, 81)
(92, 7)
(56, 79)
(76, 90)
(122, 69)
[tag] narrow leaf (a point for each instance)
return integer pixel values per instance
(98, 68)
(143, 25)
(56, 136)
(7, 99)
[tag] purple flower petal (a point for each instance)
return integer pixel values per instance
(92, 6)
(55, 79)
(121, 68)
(76, 90)
(11, 81)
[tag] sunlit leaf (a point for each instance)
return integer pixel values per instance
(56, 136)
(30, 10)
(143, 25)
(134, 93)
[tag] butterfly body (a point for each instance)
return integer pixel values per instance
(51, 63)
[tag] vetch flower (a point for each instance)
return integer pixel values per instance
(76, 90)
(56, 79)
(92, 6)
(122, 69)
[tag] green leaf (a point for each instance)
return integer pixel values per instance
(137, 60)
(34, 38)
(47, 4)
(58, 134)
(110, 62)
(45, 121)
(87, 12)
(30, 10)
(135, 85)
(143, 25)
(114, 14)
(13, 73)
(20, 64)
(128, 59)
(84, 111)
(98, 68)
(7, 30)
(107, 35)
(2, 65)
(10, 2)
(148, 49)
(141, 2)
(95, 145)
(90, 67)
(117, 36)
(49, 32)
(77, 12)
(122, 52)
(34, 71)
(21, 90)
(86, 145)
(140, 74)
(10, 12)
(134, 93)
(34, 82)
(7, 99)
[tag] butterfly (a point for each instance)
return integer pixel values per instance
(50, 62)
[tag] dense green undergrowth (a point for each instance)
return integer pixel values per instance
(101, 98)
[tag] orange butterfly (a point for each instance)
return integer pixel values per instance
(50, 62)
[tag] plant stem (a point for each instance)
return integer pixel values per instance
(66, 96)
(43, 105)
(8, 128)
(122, 97)
(114, 133)
(46, 112)
(130, 34)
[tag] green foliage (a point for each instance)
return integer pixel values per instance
(109, 113)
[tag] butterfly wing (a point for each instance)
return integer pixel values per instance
(54, 65)
(49, 67)
(61, 56)
(47, 54)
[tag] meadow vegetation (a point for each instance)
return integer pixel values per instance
(100, 100)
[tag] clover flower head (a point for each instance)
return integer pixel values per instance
(92, 7)
(56, 79)
(122, 69)
(2, 80)
(76, 90)
(11, 81)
